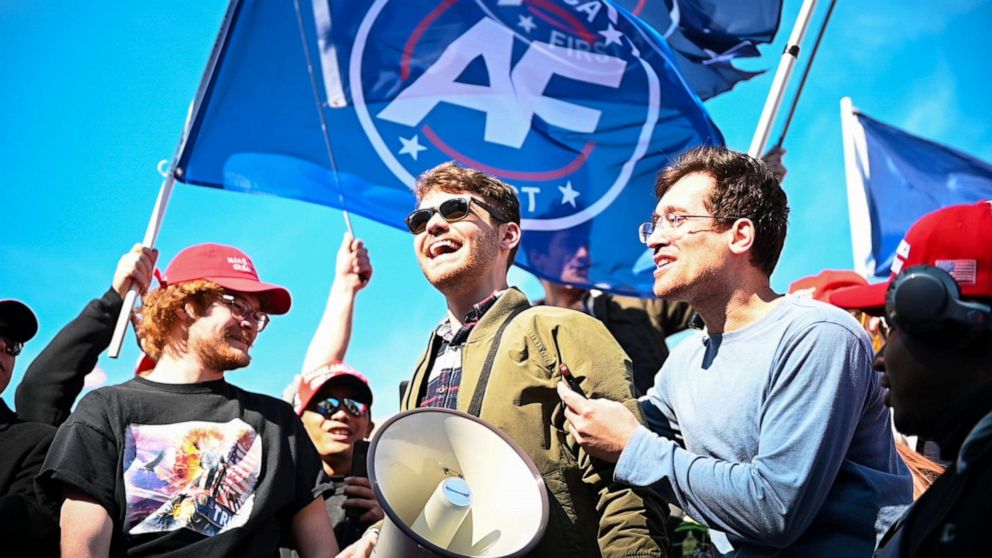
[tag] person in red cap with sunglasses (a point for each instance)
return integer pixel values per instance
(180, 460)
(937, 304)
(28, 520)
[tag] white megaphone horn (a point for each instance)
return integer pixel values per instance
(452, 485)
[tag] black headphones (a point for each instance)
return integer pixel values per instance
(925, 300)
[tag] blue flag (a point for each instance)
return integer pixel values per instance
(576, 105)
(707, 35)
(893, 179)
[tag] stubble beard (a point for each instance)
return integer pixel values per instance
(217, 354)
(475, 265)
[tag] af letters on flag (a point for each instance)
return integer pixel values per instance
(574, 104)
(894, 179)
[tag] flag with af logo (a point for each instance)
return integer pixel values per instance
(576, 104)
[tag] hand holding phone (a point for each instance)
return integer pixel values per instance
(573, 384)
(359, 468)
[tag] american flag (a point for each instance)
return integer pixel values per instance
(964, 272)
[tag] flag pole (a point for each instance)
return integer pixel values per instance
(165, 191)
(320, 113)
(786, 64)
(802, 81)
(151, 234)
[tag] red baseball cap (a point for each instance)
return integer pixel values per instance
(821, 285)
(228, 267)
(17, 321)
(957, 239)
(313, 381)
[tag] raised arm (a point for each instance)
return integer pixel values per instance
(352, 272)
(55, 377)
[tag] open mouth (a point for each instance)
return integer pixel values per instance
(442, 247)
(661, 261)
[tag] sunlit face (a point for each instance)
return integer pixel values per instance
(221, 338)
(336, 434)
(459, 254)
(690, 257)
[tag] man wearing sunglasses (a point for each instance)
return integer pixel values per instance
(28, 521)
(180, 460)
(497, 358)
(768, 427)
(335, 404)
(938, 373)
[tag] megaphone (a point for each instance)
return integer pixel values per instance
(452, 485)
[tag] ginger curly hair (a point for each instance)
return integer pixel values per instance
(158, 311)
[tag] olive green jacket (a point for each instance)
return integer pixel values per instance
(590, 514)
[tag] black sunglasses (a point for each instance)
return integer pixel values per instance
(330, 405)
(454, 209)
(11, 347)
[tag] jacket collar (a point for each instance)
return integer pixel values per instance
(6, 415)
(954, 426)
(511, 301)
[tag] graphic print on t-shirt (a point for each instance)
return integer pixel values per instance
(197, 475)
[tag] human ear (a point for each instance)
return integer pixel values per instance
(511, 236)
(741, 236)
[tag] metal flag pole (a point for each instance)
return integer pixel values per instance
(165, 191)
(802, 81)
(323, 120)
(782, 74)
(151, 234)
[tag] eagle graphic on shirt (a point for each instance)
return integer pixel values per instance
(194, 475)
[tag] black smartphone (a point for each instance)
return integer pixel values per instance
(566, 373)
(359, 468)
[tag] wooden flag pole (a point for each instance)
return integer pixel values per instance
(782, 75)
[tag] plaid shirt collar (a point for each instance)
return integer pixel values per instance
(444, 331)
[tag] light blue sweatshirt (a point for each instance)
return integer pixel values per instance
(775, 434)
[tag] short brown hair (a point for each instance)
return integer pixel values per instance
(455, 179)
(744, 187)
(158, 311)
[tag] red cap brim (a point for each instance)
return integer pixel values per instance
(870, 299)
(275, 299)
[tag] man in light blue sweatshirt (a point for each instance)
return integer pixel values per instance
(769, 427)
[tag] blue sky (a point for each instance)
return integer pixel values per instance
(93, 96)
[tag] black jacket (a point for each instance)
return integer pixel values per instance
(951, 518)
(55, 378)
(28, 522)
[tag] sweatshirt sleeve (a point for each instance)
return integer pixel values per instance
(55, 378)
(813, 404)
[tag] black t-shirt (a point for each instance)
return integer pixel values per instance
(204, 468)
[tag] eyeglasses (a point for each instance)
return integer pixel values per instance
(11, 347)
(454, 209)
(243, 309)
(672, 221)
(327, 407)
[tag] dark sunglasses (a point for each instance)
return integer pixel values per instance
(11, 347)
(454, 209)
(330, 405)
